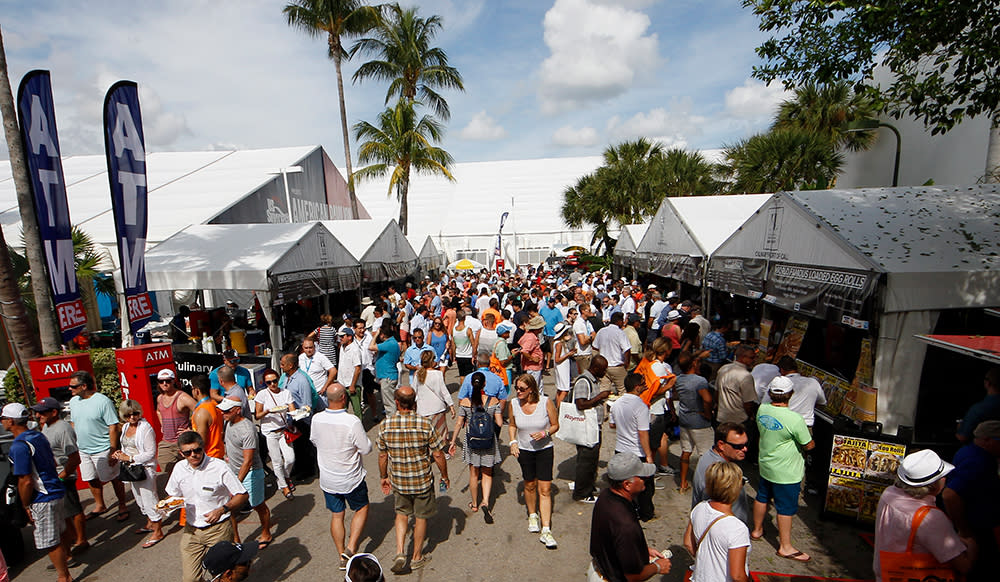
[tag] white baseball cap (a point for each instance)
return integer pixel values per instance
(229, 404)
(781, 385)
(15, 411)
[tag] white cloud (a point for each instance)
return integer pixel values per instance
(482, 127)
(566, 136)
(754, 100)
(672, 127)
(597, 52)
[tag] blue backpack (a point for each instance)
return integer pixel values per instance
(479, 436)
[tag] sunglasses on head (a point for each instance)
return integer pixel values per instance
(190, 452)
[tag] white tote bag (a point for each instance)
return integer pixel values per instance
(578, 427)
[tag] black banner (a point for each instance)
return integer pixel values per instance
(833, 294)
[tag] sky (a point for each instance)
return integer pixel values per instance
(543, 78)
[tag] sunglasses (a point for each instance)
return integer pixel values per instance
(269, 382)
(165, 380)
(133, 414)
(738, 446)
(76, 385)
(190, 452)
(521, 389)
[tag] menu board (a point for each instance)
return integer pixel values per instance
(765, 339)
(857, 402)
(791, 342)
(860, 469)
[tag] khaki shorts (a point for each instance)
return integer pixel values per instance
(168, 454)
(697, 438)
(98, 467)
(419, 505)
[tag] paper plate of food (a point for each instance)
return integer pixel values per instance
(166, 506)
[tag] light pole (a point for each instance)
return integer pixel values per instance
(872, 124)
(284, 177)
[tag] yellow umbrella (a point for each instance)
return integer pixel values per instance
(466, 265)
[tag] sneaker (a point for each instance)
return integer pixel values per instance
(665, 471)
(534, 524)
(571, 485)
(589, 499)
(547, 539)
(658, 485)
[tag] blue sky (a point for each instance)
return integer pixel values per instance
(543, 78)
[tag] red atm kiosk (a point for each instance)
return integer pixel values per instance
(50, 375)
(137, 369)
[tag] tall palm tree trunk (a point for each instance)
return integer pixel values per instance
(404, 190)
(993, 155)
(25, 341)
(337, 50)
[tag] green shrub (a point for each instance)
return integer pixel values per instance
(105, 374)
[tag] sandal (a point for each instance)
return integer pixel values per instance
(263, 544)
(122, 516)
(487, 515)
(151, 542)
(796, 557)
(473, 507)
(287, 492)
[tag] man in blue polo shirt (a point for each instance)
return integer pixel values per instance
(232, 359)
(494, 384)
(552, 315)
(411, 357)
(38, 484)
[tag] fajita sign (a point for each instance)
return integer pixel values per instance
(126, 153)
(38, 129)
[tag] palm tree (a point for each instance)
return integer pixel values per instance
(582, 205)
(783, 159)
(403, 56)
(399, 145)
(24, 339)
(826, 109)
(336, 19)
(682, 173)
(626, 181)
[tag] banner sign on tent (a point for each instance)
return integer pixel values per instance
(820, 292)
(48, 185)
(126, 153)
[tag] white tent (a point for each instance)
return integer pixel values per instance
(886, 257)
(625, 248)
(429, 257)
(686, 231)
(380, 247)
(276, 261)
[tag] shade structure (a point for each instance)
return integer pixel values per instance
(978, 346)
(686, 231)
(380, 247)
(465, 265)
(429, 258)
(628, 242)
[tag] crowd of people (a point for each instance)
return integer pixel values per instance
(646, 364)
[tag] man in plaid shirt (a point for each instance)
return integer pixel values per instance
(406, 444)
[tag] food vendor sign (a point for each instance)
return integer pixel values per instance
(860, 469)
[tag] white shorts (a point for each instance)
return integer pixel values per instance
(700, 438)
(97, 467)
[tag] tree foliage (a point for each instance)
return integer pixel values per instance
(825, 109)
(941, 55)
(782, 159)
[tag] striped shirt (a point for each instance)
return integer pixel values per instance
(409, 439)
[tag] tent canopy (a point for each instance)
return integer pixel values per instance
(978, 346)
(247, 256)
(429, 257)
(628, 239)
(379, 245)
(687, 230)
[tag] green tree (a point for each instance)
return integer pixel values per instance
(627, 182)
(337, 20)
(781, 160)
(682, 173)
(825, 109)
(941, 55)
(582, 206)
(403, 56)
(400, 144)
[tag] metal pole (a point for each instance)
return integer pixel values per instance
(899, 145)
(514, 233)
(288, 196)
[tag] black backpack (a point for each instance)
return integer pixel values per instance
(480, 434)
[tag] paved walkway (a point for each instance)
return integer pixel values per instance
(461, 544)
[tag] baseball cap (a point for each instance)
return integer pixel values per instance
(346, 331)
(165, 374)
(230, 355)
(781, 385)
(633, 317)
(922, 468)
(227, 555)
(46, 404)
(505, 327)
(14, 410)
(988, 429)
(229, 404)
(624, 466)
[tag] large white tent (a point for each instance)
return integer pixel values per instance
(898, 255)
(429, 257)
(379, 245)
(625, 247)
(275, 261)
(686, 231)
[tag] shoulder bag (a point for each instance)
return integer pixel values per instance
(908, 565)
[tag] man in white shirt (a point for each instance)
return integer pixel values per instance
(611, 343)
(630, 419)
(654, 315)
(367, 311)
(210, 492)
(585, 333)
(317, 366)
(704, 325)
(341, 443)
(627, 301)
(808, 393)
(349, 370)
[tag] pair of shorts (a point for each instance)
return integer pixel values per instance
(254, 484)
(785, 495)
(536, 465)
(97, 466)
(50, 523)
(71, 502)
(697, 438)
(168, 454)
(465, 366)
(356, 499)
(419, 505)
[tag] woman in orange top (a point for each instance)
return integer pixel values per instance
(206, 419)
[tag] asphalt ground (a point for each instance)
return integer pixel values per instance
(461, 545)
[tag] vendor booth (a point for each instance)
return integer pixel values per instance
(623, 259)
(379, 245)
(430, 260)
(280, 263)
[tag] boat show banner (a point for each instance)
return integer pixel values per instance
(48, 186)
(126, 152)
